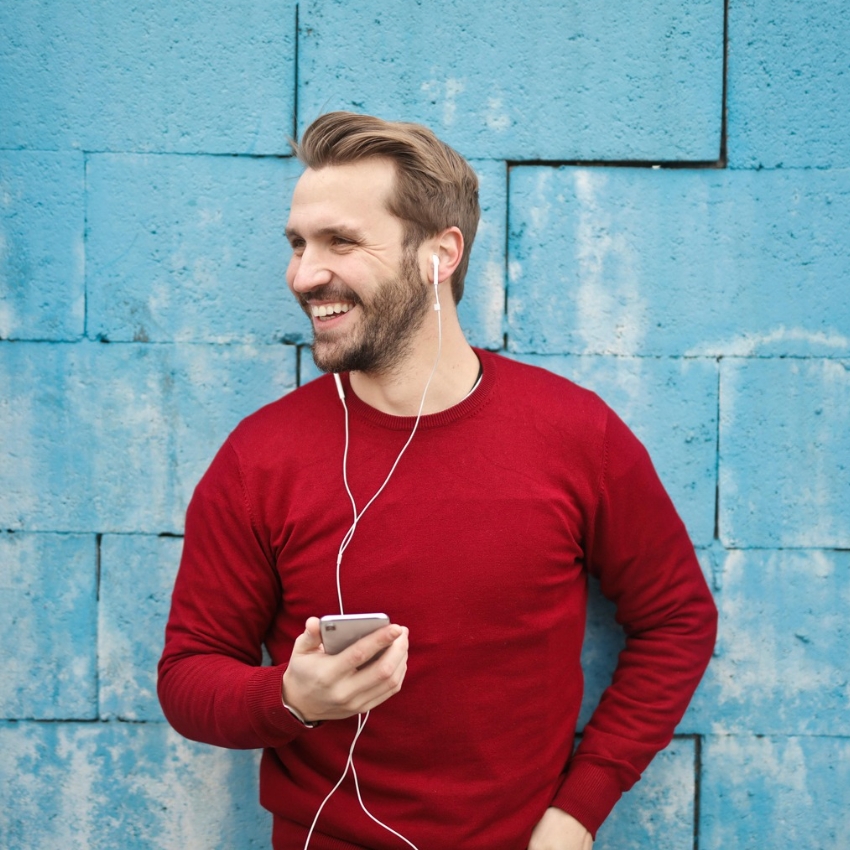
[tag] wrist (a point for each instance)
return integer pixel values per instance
(309, 724)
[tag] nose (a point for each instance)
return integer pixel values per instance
(307, 270)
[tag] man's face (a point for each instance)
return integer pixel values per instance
(361, 289)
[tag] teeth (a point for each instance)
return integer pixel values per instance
(321, 310)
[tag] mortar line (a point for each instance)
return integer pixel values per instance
(297, 49)
(507, 255)
(724, 158)
(85, 244)
(717, 458)
(660, 164)
(98, 540)
(697, 786)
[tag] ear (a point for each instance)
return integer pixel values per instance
(448, 246)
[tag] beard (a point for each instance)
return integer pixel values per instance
(385, 327)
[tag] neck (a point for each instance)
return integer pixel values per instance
(399, 392)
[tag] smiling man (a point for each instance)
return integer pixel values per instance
(466, 495)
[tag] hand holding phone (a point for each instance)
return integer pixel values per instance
(335, 670)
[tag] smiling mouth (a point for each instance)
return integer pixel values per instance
(327, 311)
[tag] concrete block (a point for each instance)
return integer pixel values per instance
(482, 309)
(659, 811)
(781, 793)
(788, 88)
(115, 437)
(557, 81)
(48, 602)
(672, 262)
(188, 77)
(190, 249)
(781, 663)
(785, 453)
(671, 405)
(42, 219)
(136, 579)
(98, 786)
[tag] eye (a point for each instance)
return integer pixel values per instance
(297, 244)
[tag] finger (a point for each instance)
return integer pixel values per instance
(363, 650)
(310, 639)
(378, 681)
(387, 686)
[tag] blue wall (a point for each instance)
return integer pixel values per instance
(666, 192)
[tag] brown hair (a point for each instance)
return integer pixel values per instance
(435, 186)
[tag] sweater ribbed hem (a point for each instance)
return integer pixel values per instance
(588, 793)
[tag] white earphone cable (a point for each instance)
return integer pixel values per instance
(362, 718)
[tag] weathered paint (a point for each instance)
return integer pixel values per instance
(556, 80)
(144, 180)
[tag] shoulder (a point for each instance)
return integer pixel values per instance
(545, 391)
(288, 420)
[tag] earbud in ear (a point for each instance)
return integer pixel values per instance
(436, 261)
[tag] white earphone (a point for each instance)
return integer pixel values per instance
(436, 261)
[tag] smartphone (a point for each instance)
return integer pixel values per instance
(342, 630)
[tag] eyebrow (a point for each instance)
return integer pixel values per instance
(340, 229)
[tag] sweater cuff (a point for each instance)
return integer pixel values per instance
(588, 793)
(270, 719)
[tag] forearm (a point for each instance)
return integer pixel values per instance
(211, 685)
(218, 700)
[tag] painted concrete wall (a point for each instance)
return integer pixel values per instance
(691, 268)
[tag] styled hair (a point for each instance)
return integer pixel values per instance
(435, 187)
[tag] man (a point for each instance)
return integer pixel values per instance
(466, 495)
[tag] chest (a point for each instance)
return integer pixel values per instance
(465, 534)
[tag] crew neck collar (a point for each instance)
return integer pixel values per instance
(463, 408)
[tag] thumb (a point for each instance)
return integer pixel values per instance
(311, 638)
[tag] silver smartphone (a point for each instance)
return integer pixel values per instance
(342, 630)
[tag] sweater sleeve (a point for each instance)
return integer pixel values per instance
(211, 684)
(640, 551)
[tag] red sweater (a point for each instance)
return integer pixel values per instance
(481, 544)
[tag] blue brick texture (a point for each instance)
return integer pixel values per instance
(136, 577)
(206, 76)
(781, 665)
(114, 437)
(506, 80)
(789, 84)
(77, 786)
(679, 262)
(48, 626)
(777, 792)
(659, 813)
(785, 453)
(42, 219)
(666, 200)
(190, 248)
